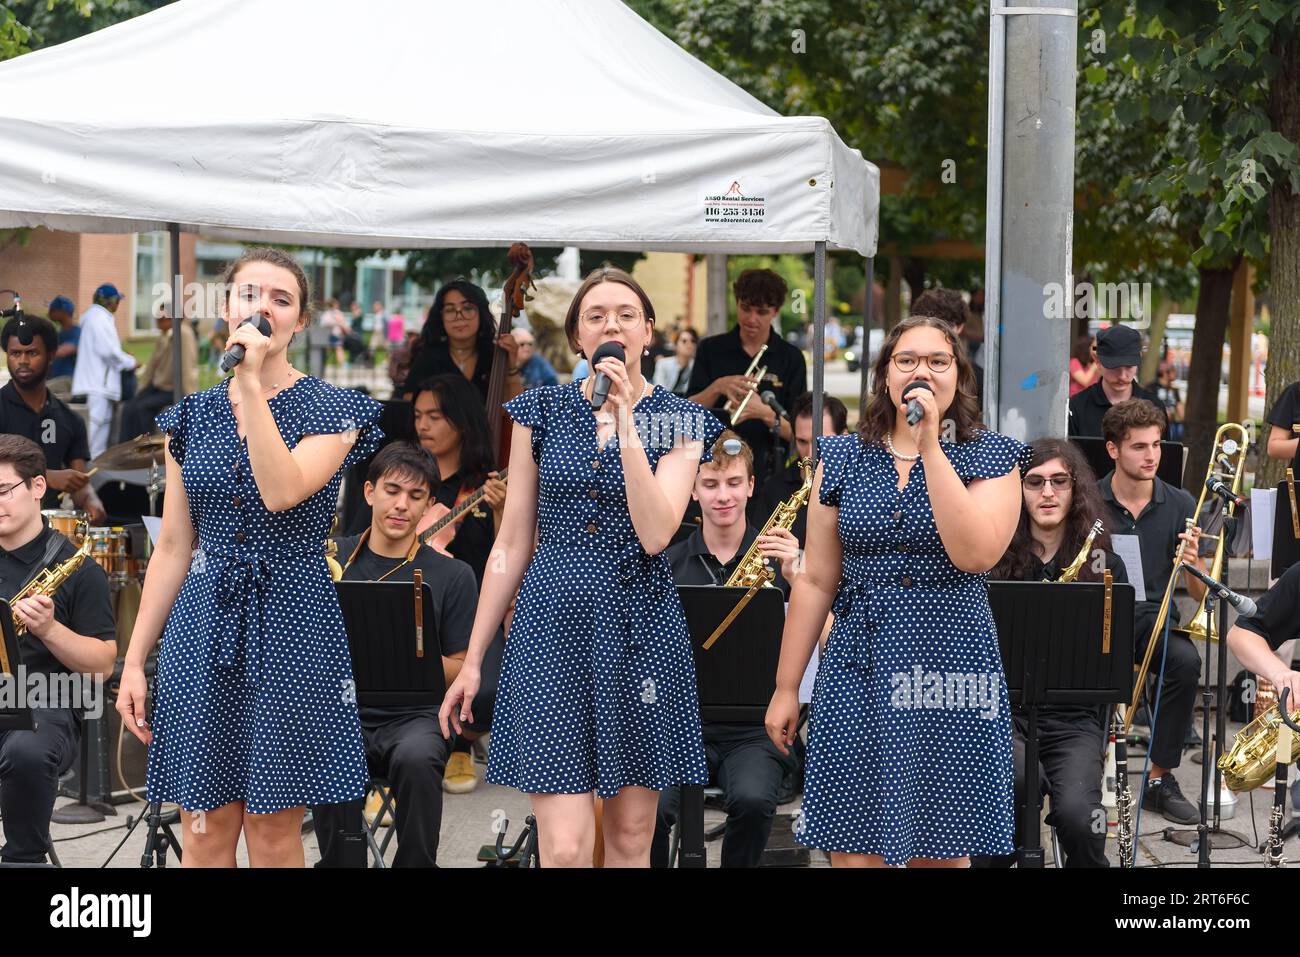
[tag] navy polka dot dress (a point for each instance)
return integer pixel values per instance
(253, 696)
(597, 687)
(909, 740)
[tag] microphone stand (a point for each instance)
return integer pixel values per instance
(1201, 837)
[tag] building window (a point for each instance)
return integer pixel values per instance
(151, 255)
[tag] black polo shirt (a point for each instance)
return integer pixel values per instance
(472, 543)
(694, 564)
(1157, 528)
(437, 360)
(787, 377)
(1088, 407)
(1278, 617)
(58, 430)
(455, 595)
(776, 490)
(1285, 414)
(82, 603)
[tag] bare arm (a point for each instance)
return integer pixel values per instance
(975, 522)
(1253, 652)
(285, 479)
(511, 552)
(657, 500)
(168, 566)
(813, 592)
(83, 654)
(1282, 444)
(451, 665)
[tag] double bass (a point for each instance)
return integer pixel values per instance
(514, 295)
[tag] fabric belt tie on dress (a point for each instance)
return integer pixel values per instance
(854, 606)
(643, 580)
(242, 582)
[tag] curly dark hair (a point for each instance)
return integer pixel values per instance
(878, 420)
(1086, 507)
(1130, 414)
(760, 287)
(944, 303)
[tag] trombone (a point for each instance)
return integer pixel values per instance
(1227, 463)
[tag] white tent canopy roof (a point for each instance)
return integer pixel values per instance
(414, 123)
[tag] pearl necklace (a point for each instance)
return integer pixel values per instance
(607, 417)
(899, 455)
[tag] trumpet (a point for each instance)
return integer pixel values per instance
(1228, 461)
(749, 374)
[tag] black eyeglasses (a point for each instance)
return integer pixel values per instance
(1060, 481)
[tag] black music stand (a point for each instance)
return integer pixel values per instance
(1054, 652)
(736, 677)
(17, 718)
(394, 664)
(1170, 468)
(1286, 544)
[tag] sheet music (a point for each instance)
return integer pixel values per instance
(153, 526)
(1128, 548)
(1263, 505)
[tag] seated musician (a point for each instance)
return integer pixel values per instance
(1256, 640)
(404, 744)
(721, 362)
(69, 634)
(1140, 503)
(741, 758)
(1119, 351)
(28, 408)
(1060, 506)
(785, 483)
(452, 427)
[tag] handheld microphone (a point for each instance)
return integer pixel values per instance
(1216, 486)
(772, 402)
(914, 408)
(1246, 608)
(235, 354)
(600, 390)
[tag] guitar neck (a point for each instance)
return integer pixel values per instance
(458, 511)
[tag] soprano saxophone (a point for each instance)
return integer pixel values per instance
(1071, 573)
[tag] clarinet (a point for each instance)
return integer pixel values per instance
(1123, 796)
(1273, 856)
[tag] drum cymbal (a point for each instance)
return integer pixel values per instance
(137, 453)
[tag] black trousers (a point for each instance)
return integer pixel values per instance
(30, 765)
(1070, 766)
(1178, 695)
(747, 766)
(138, 414)
(410, 751)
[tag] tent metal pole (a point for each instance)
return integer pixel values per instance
(818, 341)
(868, 318)
(993, 214)
(178, 313)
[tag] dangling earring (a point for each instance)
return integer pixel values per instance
(645, 351)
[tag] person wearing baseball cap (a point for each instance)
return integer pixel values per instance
(100, 364)
(1119, 350)
(63, 313)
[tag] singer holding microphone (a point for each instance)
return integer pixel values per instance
(597, 691)
(254, 714)
(909, 744)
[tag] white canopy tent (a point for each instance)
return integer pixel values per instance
(408, 124)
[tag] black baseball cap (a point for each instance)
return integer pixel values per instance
(1119, 346)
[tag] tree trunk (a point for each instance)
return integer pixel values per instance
(914, 274)
(1202, 406)
(1284, 253)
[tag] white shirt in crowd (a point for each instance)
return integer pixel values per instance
(100, 358)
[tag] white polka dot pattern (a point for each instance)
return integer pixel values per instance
(884, 777)
(253, 693)
(597, 687)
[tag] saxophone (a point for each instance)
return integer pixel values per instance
(753, 569)
(753, 572)
(1253, 756)
(1072, 572)
(46, 582)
